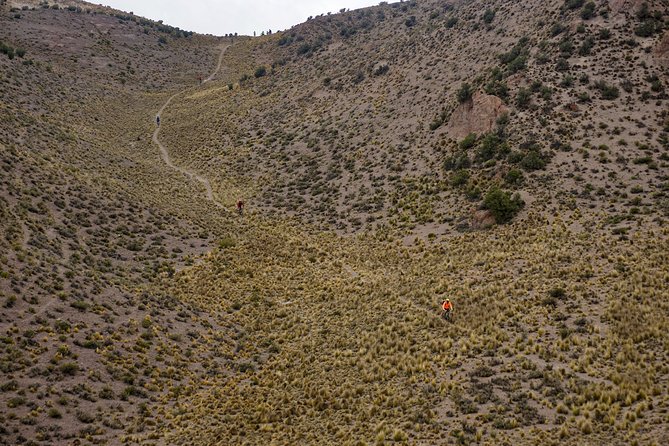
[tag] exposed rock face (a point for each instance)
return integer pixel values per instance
(478, 115)
(618, 6)
(482, 220)
(662, 50)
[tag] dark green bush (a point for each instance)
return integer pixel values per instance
(490, 145)
(646, 29)
(523, 98)
(260, 72)
(465, 93)
(460, 177)
(497, 88)
(381, 70)
(588, 11)
(566, 46)
(502, 204)
(514, 177)
(557, 292)
(562, 65)
(304, 49)
(574, 4)
(533, 161)
(557, 28)
(488, 16)
(546, 92)
(459, 160)
(608, 92)
(468, 142)
(586, 46)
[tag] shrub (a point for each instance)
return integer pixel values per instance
(69, 368)
(588, 11)
(459, 160)
(10, 301)
(497, 88)
(488, 16)
(465, 93)
(260, 72)
(80, 305)
(523, 98)
(586, 46)
(514, 177)
(533, 161)
(557, 28)
(106, 393)
(644, 12)
(562, 64)
(557, 292)
(517, 64)
(451, 22)
(502, 205)
(646, 29)
(381, 70)
(85, 417)
(460, 177)
(516, 59)
(574, 4)
(546, 92)
(489, 147)
(608, 92)
(468, 142)
(227, 242)
(567, 81)
(9, 386)
(566, 46)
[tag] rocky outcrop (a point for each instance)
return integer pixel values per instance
(618, 6)
(482, 219)
(478, 115)
(662, 50)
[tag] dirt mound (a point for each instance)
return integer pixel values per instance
(476, 116)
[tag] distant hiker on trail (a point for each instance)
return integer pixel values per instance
(240, 207)
(447, 308)
(158, 120)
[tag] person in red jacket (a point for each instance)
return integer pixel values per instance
(447, 307)
(240, 206)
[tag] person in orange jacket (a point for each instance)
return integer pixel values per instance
(447, 307)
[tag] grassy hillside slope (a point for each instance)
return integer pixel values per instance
(136, 311)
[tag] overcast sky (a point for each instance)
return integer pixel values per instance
(220, 17)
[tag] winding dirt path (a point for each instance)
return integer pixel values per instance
(164, 154)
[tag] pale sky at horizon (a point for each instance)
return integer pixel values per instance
(220, 17)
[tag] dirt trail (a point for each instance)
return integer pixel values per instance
(164, 154)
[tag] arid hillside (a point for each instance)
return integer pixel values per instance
(86, 349)
(509, 155)
(406, 114)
